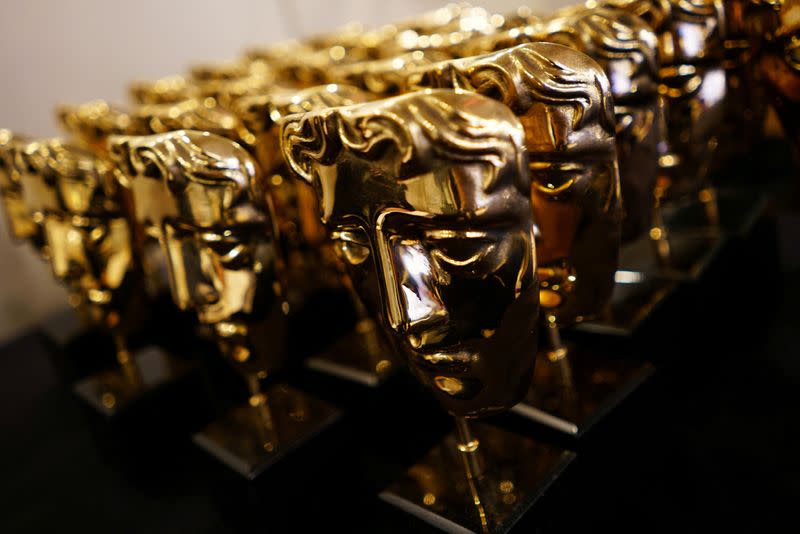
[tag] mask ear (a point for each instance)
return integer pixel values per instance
(307, 139)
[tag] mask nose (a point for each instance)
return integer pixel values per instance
(411, 281)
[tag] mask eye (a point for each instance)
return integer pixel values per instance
(352, 246)
(553, 179)
(459, 249)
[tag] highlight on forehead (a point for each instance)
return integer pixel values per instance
(655, 12)
(460, 127)
(701, 9)
(528, 74)
(608, 33)
(186, 156)
(262, 112)
(55, 157)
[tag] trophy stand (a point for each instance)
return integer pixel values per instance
(138, 374)
(576, 384)
(477, 479)
(652, 267)
(276, 420)
(676, 253)
(363, 355)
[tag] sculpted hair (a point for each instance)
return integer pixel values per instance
(183, 157)
(695, 9)
(262, 112)
(606, 33)
(418, 125)
(656, 13)
(528, 74)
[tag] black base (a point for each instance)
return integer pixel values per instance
(516, 472)
(362, 356)
(574, 392)
(246, 442)
(635, 299)
(114, 391)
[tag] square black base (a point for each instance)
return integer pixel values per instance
(738, 210)
(574, 392)
(250, 439)
(635, 298)
(362, 356)
(112, 392)
(689, 255)
(516, 472)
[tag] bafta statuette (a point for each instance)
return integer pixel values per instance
(81, 213)
(311, 259)
(453, 192)
(563, 100)
(428, 197)
(21, 225)
(223, 264)
(779, 62)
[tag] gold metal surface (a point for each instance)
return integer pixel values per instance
(224, 264)
(219, 246)
(426, 195)
(21, 225)
(693, 81)
(779, 64)
(83, 230)
(625, 48)
(563, 101)
(73, 198)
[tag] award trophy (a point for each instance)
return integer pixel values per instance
(90, 248)
(694, 84)
(427, 196)
(21, 225)
(779, 64)
(563, 100)
(361, 355)
(223, 263)
(62, 327)
(625, 48)
(746, 101)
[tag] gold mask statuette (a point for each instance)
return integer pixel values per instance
(426, 194)
(563, 100)
(625, 48)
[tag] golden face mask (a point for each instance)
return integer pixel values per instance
(20, 223)
(625, 48)
(693, 80)
(779, 63)
(426, 195)
(303, 240)
(86, 232)
(219, 246)
(563, 101)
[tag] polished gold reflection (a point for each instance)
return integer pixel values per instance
(427, 196)
(625, 48)
(303, 243)
(779, 63)
(84, 231)
(694, 83)
(563, 101)
(21, 225)
(219, 245)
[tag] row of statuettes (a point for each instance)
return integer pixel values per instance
(468, 177)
